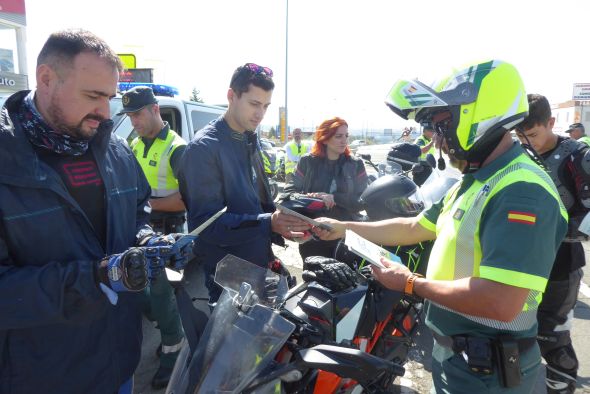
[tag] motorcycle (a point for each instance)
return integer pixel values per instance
(264, 338)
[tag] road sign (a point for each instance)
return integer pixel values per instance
(581, 91)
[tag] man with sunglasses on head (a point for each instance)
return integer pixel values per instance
(222, 167)
(496, 233)
(568, 163)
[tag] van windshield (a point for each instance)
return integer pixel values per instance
(116, 107)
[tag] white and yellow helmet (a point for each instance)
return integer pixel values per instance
(472, 108)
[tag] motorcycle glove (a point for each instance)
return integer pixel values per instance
(123, 272)
(162, 251)
(328, 272)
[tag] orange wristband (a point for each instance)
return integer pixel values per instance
(409, 289)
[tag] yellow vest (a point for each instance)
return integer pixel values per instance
(426, 142)
(585, 139)
(156, 164)
(292, 146)
(457, 250)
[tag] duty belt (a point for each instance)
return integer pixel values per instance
(458, 343)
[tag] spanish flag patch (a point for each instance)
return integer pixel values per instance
(522, 217)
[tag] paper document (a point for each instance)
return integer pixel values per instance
(368, 250)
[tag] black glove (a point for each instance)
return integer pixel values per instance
(163, 251)
(328, 272)
(127, 271)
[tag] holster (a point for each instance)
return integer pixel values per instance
(485, 354)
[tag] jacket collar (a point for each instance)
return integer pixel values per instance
(18, 160)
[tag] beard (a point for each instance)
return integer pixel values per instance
(76, 131)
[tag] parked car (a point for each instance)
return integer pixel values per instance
(354, 145)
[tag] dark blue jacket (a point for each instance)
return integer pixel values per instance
(216, 171)
(58, 332)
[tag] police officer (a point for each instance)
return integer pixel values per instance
(578, 132)
(425, 141)
(496, 231)
(294, 150)
(158, 150)
(568, 164)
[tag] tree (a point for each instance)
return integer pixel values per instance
(195, 96)
(272, 132)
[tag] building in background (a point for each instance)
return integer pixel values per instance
(13, 53)
(576, 110)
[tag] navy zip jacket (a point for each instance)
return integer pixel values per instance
(217, 171)
(58, 331)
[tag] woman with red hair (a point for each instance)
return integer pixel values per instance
(329, 172)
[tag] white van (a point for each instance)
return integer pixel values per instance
(184, 116)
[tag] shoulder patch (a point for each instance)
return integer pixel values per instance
(522, 217)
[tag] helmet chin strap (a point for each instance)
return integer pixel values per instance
(441, 164)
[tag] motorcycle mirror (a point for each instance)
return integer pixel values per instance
(431, 160)
(366, 156)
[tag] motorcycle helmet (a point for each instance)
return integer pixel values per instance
(305, 205)
(472, 108)
(392, 196)
(405, 154)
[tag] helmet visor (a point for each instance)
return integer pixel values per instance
(406, 97)
(406, 206)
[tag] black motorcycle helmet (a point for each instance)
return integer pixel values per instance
(405, 154)
(392, 196)
(305, 205)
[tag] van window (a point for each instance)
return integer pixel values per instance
(201, 118)
(172, 116)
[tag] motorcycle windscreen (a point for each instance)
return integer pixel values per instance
(232, 271)
(435, 188)
(234, 356)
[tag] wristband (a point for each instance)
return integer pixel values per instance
(409, 289)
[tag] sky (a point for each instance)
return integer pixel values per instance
(343, 56)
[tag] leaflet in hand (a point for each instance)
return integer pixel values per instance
(315, 223)
(368, 250)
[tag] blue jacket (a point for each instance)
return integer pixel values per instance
(58, 332)
(216, 171)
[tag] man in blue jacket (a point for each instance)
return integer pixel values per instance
(73, 203)
(222, 166)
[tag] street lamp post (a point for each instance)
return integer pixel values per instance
(286, 68)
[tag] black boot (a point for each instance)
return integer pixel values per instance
(162, 377)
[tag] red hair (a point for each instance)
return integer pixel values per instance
(324, 132)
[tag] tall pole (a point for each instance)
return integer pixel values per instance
(286, 68)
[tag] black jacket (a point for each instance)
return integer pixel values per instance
(315, 174)
(58, 331)
(216, 171)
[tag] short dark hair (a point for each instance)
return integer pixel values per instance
(63, 46)
(244, 76)
(539, 112)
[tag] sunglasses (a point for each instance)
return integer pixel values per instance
(256, 69)
(441, 121)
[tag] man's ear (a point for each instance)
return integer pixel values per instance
(44, 75)
(551, 122)
(230, 95)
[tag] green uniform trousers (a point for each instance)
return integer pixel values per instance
(452, 375)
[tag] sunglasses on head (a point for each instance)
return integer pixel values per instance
(256, 69)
